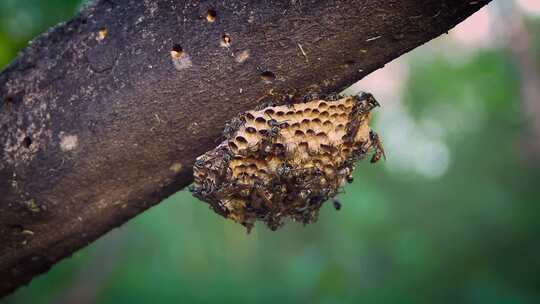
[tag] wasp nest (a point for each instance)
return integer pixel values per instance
(285, 161)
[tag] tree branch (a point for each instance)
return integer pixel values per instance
(99, 120)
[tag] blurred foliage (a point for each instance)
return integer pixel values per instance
(466, 236)
(22, 20)
(534, 25)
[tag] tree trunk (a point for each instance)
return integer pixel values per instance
(99, 120)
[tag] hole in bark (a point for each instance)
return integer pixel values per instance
(27, 142)
(211, 15)
(268, 76)
(102, 33)
(349, 62)
(226, 40)
(13, 98)
(177, 51)
(17, 228)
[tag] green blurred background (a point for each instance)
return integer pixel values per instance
(450, 217)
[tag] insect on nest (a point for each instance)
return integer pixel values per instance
(286, 161)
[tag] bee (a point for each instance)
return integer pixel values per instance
(227, 156)
(274, 123)
(265, 102)
(199, 162)
(326, 192)
(316, 172)
(289, 97)
(316, 200)
(280, 150)
(265, 145)
(260, 193)
(302, 209)
(304, 194)
(333, 97)
(275, 127)
(310, 97)
(369, 98)
(336, 203)
(194, 189)
(366, 102)
(203, 190)
(279, 190)
(284, 170)
(231, 127)
(377, 144)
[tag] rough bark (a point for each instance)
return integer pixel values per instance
(96, 128)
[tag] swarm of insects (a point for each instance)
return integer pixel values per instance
(286, 161)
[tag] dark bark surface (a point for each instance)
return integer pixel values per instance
(94, 131)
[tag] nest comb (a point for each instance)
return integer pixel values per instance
(286, 161)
